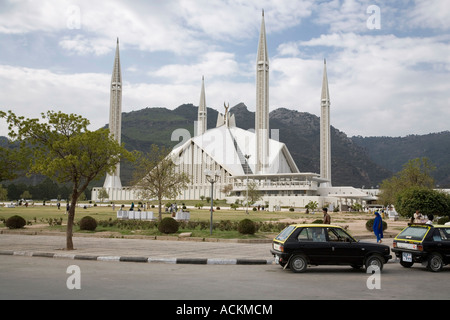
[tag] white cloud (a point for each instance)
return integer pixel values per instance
(210, 64)
(434, 14)
(374, 76)
(388, 81)
(33, 91)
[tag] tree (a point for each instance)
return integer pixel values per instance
(156, 176)
(64, 149)
(12, 162)
(415, 173)
(102, 194)
(253, 192)
(426, 200)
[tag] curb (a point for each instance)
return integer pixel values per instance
(213, 261)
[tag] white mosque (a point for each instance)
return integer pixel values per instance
(235, 157)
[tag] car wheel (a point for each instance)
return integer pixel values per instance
(435, 262)
(298, 263)
(375, 261)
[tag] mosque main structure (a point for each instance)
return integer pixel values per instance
(238, 157)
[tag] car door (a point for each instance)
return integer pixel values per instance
(312, 241)
(445, 248)
(344, 249)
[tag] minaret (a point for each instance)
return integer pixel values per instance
(115, 118)
(262, 102)
(325, 137)
(201, 122)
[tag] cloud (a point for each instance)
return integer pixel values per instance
(390, 81)
(33, 91)
(430, 14)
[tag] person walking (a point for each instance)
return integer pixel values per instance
(378, 227)
(326, 216)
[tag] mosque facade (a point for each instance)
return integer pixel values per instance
(235, 157)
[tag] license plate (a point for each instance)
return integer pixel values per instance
(407, 257)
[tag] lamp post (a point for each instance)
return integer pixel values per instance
(247, 156)
(212, 177)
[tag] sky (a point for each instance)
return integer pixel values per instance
(388, 62)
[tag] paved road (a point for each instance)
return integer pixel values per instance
(43, 278)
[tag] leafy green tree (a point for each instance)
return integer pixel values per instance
(415, 173)
(102, 194)
(426, 200)
(156, 176)
(64, 149)
(253, 192)
(12, 162)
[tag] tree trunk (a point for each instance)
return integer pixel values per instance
(70, 221)
(160, 208)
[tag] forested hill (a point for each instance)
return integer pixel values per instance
(351, 165)
(356, 161)
(393, 153)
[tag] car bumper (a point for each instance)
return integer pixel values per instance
(280, 256)
(417, 256)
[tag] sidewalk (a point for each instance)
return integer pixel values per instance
(137, 250)
(140, 250)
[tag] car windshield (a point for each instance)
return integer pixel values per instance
(413, 233)
(285, 233)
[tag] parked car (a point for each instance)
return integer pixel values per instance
(300, 245)
(423, 243)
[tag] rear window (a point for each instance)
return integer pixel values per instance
(285, 233)
(413, 233)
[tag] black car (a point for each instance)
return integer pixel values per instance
(423, 243)
(300, 245)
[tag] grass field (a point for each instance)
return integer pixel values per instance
(39, 216)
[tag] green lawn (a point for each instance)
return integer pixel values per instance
(41, 215)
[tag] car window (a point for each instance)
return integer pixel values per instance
(285, 233)
(335, 234)
(445, 234)
(312, 234)
(413, 233)
(437, 236)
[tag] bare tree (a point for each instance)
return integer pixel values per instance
(156, 176)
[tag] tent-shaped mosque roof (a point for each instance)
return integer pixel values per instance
(229, 145)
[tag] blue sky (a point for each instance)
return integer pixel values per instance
(388, 61)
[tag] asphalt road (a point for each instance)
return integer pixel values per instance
(23, 277)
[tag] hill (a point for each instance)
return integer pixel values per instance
(300, 131)
(393, 152)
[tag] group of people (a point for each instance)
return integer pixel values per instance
(420, 218)
(378, 221)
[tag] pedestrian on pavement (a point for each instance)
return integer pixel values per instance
(378, 227)
(326, 216)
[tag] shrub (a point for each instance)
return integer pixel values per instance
(443, 220)
(246, 226)
(88, 223)
(168, 225)
(15, 222)
(369, 225)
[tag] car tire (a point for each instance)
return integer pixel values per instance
(435, 262)
(374, 260)
(298, 263)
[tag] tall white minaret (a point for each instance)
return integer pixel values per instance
(325, 129)
(202, 120)
(262, 102)
(112, 181)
